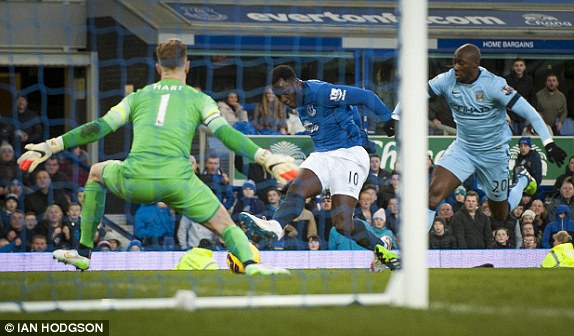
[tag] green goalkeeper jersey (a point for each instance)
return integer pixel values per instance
(164, 116)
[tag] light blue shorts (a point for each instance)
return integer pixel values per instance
(490, 168)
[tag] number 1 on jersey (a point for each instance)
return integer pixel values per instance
(162, 110)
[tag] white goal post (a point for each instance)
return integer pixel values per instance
(409, 287)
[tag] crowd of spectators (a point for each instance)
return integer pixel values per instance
(46, 216)
(39, 211)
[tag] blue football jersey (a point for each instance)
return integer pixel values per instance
(330, 116)
(478, 108)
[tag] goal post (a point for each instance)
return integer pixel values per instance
(409, 287)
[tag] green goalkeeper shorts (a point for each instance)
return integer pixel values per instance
(189, 197)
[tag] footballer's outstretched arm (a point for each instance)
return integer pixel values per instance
(350, 95)
(92, 131)
(520, 106)
(86, 133)
(83, 134)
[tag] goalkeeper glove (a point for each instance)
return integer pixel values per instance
(555, 154)
(280, 166)
(38, 153)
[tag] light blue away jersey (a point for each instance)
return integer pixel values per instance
(330, 115)
(478, 108)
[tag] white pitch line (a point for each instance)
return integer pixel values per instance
(503, 310)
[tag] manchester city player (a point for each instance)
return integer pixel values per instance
(339, 163)
(164, 116)
(478, 101)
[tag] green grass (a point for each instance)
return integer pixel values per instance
(462, 302)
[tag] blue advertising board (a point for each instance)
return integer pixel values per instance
(510, 45)
(370, 16)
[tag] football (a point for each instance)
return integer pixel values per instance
(236, 266)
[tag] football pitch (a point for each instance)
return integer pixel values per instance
(478, 301)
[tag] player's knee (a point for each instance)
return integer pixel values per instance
(343, 225)
(434, 200)
(341, 229)
(96, 170)
(499, 211)
(499, 216)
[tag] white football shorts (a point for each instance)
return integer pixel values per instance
(343, 171)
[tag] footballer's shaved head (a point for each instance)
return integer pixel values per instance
(466, 62)
(469, 51)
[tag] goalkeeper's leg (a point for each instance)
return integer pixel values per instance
(93, 206)
(92, 213)
(238, 244)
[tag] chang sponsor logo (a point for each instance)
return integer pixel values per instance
(310, 127)
(534, 19)
(337, 94)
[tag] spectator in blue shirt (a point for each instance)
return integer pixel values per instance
(529, 159)
(562, 223)
(152, 224)
(218, 181)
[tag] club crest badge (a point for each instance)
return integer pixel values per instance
(479, 96)
(311, 110)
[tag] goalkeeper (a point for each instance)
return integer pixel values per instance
(165, 116)
(339, 164)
